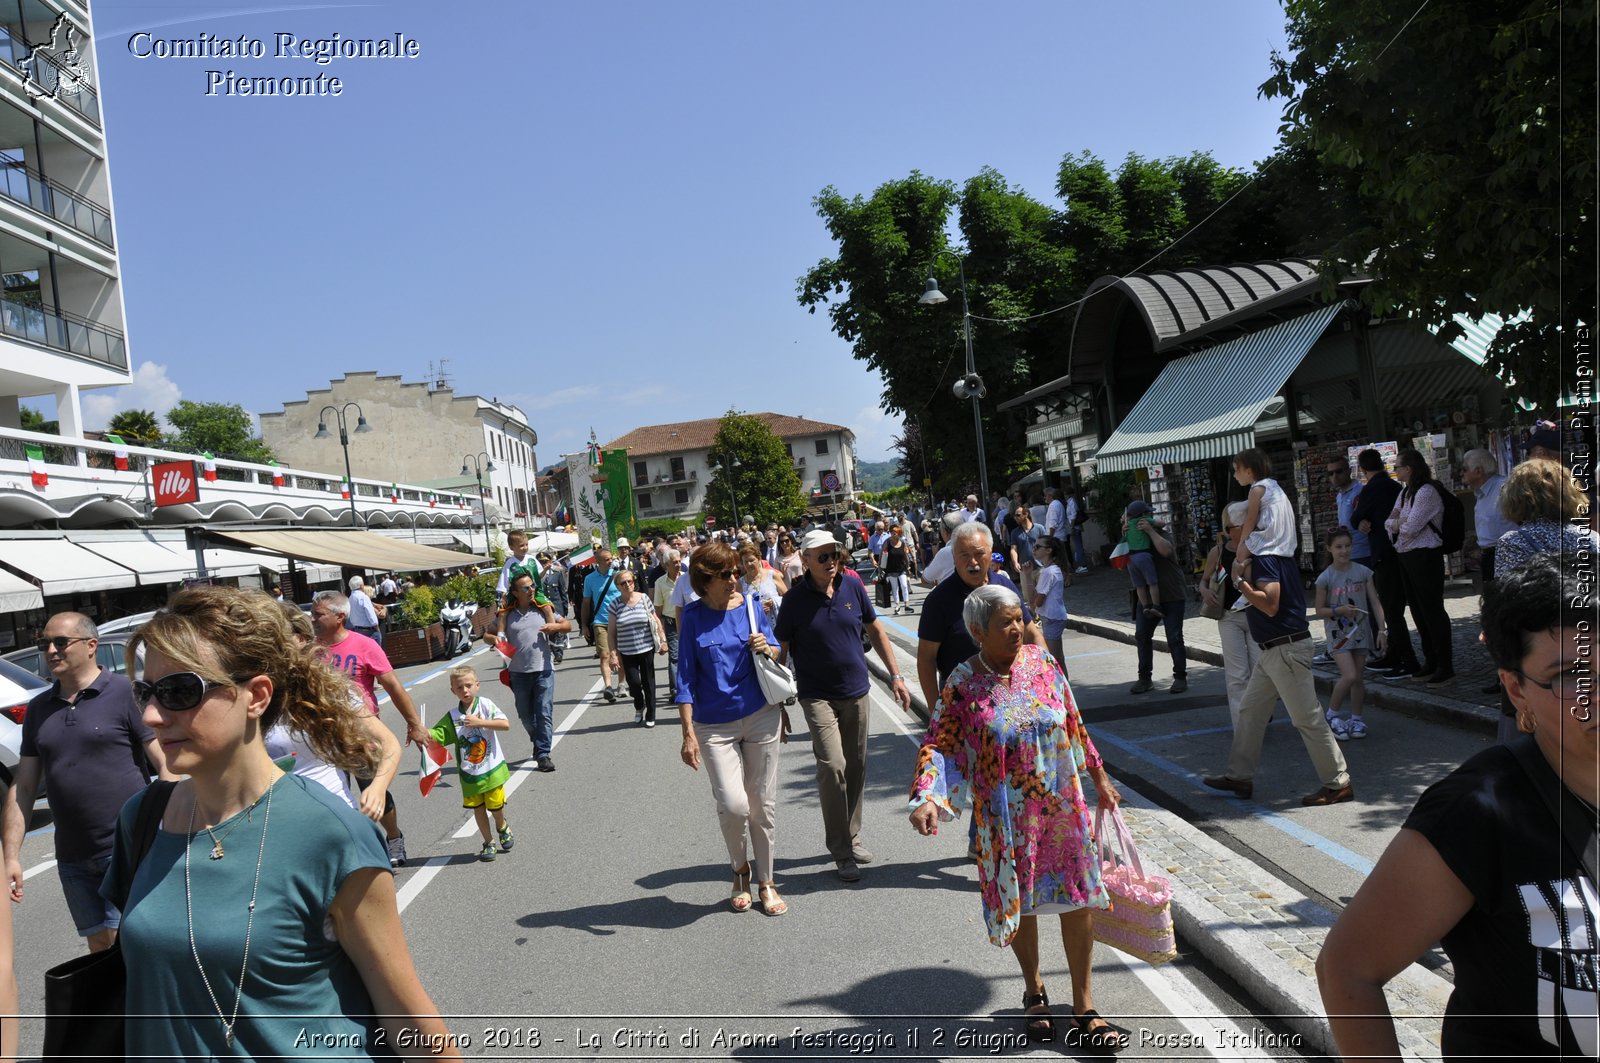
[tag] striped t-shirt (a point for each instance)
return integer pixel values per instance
(635, 633)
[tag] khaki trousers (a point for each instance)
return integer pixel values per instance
(1285, 672)
(839, 732)
(741, 759)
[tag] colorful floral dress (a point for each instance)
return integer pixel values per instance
(1015, 752)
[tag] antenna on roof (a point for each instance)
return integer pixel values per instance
(438, 375)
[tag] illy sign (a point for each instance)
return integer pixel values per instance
(175, 483)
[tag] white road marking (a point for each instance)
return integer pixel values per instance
(434, 864)
(35, 869)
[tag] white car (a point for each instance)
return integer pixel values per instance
(18, 686)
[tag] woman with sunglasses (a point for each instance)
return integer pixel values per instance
(635, 633)
(528, 627)
(726, 718)
(263, 899)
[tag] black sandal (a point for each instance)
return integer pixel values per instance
(1106, 1040)
(1040, 1027)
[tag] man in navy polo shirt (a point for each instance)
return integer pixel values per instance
(1277, 619)
(819, 627)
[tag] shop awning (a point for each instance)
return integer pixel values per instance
(1205, 405)
(352, 549)
(225, 563)
(63, 568)
(154, 562)
(17, 594)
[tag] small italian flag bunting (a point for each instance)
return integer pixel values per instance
(277, 475)
(41, 477)
(344, 487)
(120, 455)
(433, 500)
(394, 492)
(211, 466)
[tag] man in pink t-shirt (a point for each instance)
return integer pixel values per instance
(364, 661)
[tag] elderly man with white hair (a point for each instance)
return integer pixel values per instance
(366, 616)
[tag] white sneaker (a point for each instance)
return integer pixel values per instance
(1081, 570)
(1340, 727)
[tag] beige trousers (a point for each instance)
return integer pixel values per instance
(1239, 656)
(839, 741)
(741, 759)
(1285, 672)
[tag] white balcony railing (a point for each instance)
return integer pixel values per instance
(83, 482)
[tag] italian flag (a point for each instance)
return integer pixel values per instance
(434, 757)
(344, 487)
(120, 455)
(211, 467)
(41, 476)
(580, 557)
(277, 475)
(433, 500)
(394, 492)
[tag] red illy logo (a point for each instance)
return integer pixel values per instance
(175, 483)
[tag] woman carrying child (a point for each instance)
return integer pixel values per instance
(1345, 594)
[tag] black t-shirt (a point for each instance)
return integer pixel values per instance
(1528, 945)
(894, 557)
(1290, 619)
(941, 620)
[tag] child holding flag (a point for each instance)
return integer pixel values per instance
(470, 729)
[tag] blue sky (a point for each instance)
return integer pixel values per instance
(599, 211)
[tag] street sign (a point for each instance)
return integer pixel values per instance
(711, 522)
(830, 482)
(174, 483)
(926, 482)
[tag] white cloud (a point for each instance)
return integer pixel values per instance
(151, 390)
(875, 432)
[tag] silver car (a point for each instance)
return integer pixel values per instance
(18, 686)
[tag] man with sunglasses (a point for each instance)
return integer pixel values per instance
(87, 734)
(820, 624)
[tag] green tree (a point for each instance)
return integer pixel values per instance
(33, 421)
(751, 467)
(1022, 260)
(224, 429)
(1470, 135)
(139, 427)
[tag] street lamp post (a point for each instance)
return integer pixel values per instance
(470, 463)
(970, 385)
(344, 441)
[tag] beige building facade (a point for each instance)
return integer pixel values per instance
(419, 433)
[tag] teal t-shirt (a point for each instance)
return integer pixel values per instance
(303, 995)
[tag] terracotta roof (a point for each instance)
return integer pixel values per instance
(698, 435)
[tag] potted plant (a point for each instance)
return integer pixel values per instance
(414, 634)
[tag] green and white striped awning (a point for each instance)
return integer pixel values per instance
(1205, 405)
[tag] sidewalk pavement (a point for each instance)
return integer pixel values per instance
(1262, 932)
(1098, 604)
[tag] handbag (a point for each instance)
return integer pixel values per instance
(1139, 921)
(658, 637)
(777, 682)
(85, 999)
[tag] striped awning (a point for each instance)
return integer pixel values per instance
(1205, 405)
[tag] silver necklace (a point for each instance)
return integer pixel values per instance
(188, 905)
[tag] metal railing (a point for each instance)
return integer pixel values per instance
(47, 74)
(62, 331)
(34, 190)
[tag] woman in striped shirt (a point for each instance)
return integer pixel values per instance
(635, 634)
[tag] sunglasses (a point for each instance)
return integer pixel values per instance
(180, 691)
(727, 574)
(59, 643)
(826, 559)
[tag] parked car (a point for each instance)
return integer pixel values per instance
(109, 654)
(860, 531)
(18, 686)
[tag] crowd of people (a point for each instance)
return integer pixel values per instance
(244, 704)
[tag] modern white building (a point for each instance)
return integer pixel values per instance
(419, 433)
(61, 308)
(669, 464)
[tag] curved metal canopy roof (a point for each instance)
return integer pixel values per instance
(1180, 306)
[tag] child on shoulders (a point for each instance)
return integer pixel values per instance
(1141, 558)
(1269, 521)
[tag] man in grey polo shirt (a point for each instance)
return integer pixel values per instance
(86, 733)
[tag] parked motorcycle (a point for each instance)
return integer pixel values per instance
(456, 617)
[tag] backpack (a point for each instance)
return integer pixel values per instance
(1454, 532)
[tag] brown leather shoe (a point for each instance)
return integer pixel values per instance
(1233, 786)
(1329, 796)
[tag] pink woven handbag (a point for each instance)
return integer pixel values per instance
(1139, 921)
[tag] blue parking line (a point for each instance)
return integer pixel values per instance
(1225, 729)
(1327, 846)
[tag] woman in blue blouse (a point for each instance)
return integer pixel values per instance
(726, 719)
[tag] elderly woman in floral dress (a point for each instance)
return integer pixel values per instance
(1006, 738)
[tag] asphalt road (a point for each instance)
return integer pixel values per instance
(605, 933)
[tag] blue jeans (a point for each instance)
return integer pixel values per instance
(1082, 559)
(80, 883)
(670, 627)
(535, 694)
(1144, 636)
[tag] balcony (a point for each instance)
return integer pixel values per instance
(47, 74)
(64, 332)
(54, 201)
(668, 478)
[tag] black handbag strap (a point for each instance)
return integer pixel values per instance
(148, 821)
(1576, 819)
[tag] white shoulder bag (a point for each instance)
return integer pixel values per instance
(777, 682)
